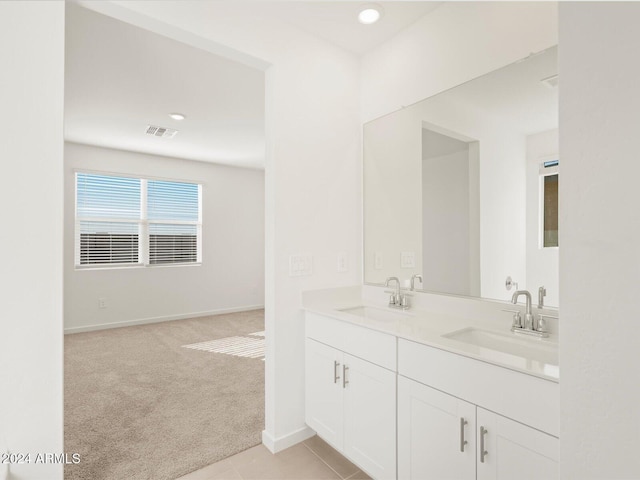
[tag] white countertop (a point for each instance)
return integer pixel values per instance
(426, 327)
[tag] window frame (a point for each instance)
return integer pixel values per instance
(143, 224)
(542, 173)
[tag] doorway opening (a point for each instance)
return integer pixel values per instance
(164, 252)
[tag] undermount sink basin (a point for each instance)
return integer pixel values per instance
(496, 344)
(373, 313)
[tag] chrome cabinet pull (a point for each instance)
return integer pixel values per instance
(344, 376)
(336, 376)
(463, 442)
(483, 452)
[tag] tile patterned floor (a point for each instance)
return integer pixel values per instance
(312, 459)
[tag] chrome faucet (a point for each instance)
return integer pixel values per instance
(395, 296)
(419, 277)
(528, 316)
(397, 299)
(531, 325)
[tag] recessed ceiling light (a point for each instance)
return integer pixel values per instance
(177, 116)
(370, 14)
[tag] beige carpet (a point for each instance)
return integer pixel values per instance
(140, 406)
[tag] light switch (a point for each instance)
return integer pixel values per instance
(300, 265)
(343, 262)
(377, 260)
(407, 259)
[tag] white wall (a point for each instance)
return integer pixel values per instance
(312, 176)
(31, 95)
(231, 276)
(457, 42)
(446, 223)
(600, 240)
(392, 195)
(542, 263)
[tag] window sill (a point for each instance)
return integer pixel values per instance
(138, 266)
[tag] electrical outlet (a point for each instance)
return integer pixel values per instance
(102, 302)
(343, 262)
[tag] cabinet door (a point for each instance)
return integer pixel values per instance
(370, 417)
(323, 392)
(513, 450)
(432, 433)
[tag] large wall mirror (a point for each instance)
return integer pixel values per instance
(462, 188)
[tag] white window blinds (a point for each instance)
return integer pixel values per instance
(174, 219)
(135, 221)
(108, 218)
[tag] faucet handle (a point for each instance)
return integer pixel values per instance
(393, 300)
(404, 301)
(542, 321)
(517, 318)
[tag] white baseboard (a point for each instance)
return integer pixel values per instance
(276, 445)
(142, 321)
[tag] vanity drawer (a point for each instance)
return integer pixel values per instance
(528, 399)
(375, 347)
(324, 329)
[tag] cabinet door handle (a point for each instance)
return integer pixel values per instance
(336, 376)
(463, 442)
(344, 376)
(483, 452)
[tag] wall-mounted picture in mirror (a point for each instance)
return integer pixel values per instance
(462, 187)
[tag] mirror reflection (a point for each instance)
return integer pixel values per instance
(462, 188)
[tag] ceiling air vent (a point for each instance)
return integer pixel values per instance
(551, 82)
(163, 132)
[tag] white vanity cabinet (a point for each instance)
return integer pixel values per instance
(444, 390)
(454, 417)
(436, 434)
(324, 391)
(514, 450)
(350, 401)
(443, 437)
(370, 417)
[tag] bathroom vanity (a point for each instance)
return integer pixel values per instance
(424, 394)
(460, 201)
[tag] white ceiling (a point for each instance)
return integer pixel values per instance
(120, 78)
(338, 23)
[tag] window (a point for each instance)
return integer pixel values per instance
(135, 221)
(549, 196)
